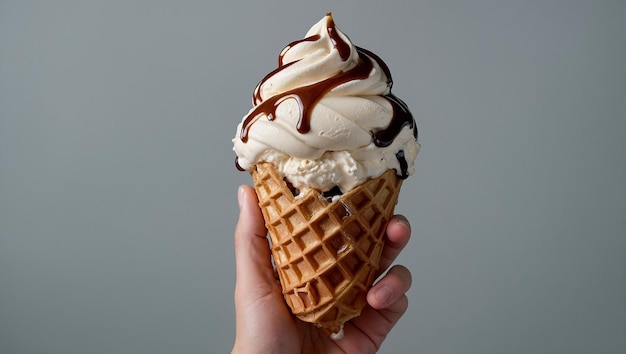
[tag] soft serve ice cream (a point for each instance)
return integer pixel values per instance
(326, 118)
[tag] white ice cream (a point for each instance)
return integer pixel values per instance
(338, 149)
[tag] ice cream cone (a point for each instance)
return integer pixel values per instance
(326, 253)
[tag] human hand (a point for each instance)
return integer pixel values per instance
(264, 323)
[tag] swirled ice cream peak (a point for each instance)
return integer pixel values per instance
(326, 117)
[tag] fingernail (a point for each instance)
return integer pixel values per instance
(383, 294)
(404, 222)
(240, 197)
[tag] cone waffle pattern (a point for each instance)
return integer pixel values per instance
(326, 253)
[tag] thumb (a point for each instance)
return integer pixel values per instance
(252, 253)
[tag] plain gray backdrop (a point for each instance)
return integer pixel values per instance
(118, 188)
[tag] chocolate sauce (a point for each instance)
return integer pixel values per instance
(329, 194)
(306, 96)
(381, 63)
(294, 191)
(404, 166)
(401, 114)
(237, 165)
(401, 118)
(342, 47)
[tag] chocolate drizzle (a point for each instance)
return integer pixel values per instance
(342, 46)
(404, 166)
(237, 165)
(308, 96)
(333, 192)
(401, 114)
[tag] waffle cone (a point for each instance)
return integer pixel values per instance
(326, 253)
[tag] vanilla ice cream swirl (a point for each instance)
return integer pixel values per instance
(326, 117)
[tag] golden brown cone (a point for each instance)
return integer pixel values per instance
(326, 253)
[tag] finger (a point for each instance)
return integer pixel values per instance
(388, 302)
(398, 235)
(390, 288)
(375, 325)
(252, 253)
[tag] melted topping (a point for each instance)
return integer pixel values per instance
(342, 47)
(306, 96)
(404, 165)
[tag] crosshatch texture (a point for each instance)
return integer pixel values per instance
(326, 253)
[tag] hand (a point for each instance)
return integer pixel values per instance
(264, 323)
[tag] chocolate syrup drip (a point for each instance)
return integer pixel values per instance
(329, 194)
(294, 191)
(237, 165)
(401, 114)
(381, 63)
(306, 96)
(404, 166)
(401, 118)
(342, 47)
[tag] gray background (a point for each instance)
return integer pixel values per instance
(118, 191)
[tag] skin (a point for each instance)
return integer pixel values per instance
(264, 323)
